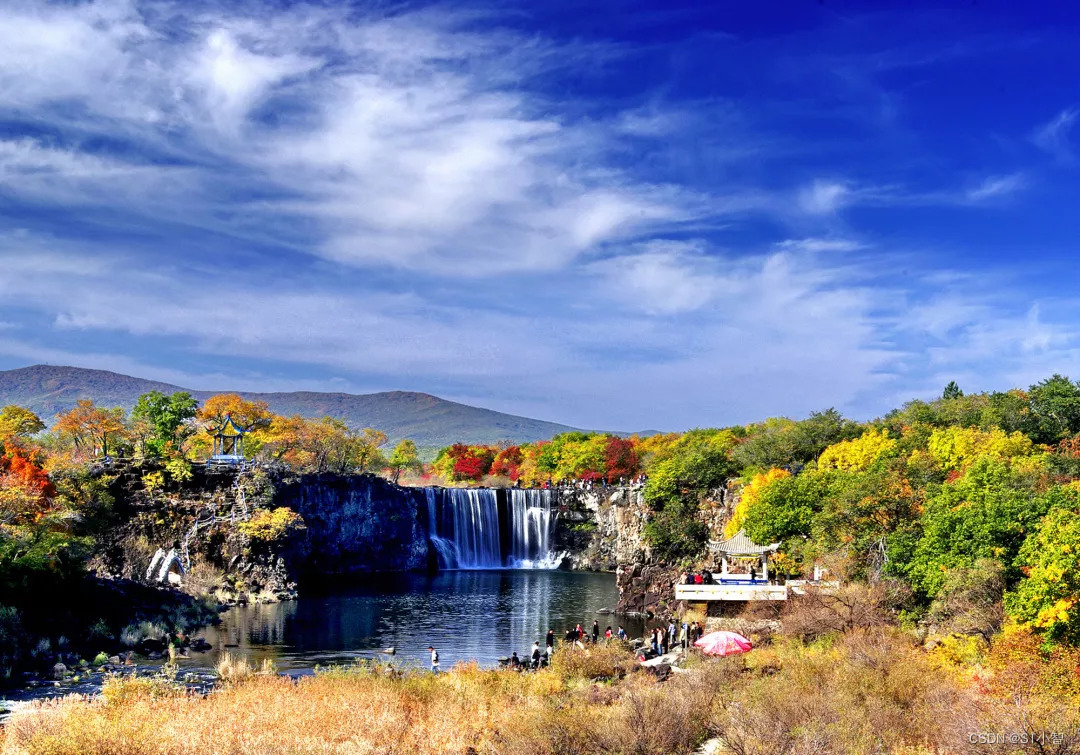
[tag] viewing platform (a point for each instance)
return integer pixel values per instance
(731, 590)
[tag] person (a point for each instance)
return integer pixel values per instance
(706, 577)
(684, 635)
(549, 641)
(622, 633)
(753, 573)
(672, 637)
(580, 632)
(595, 631)
(536, 654)
(571, 635)
(655, 643)
(434, 659)
(697, 579)
(688, 579)
(607, 633)
(663, 639)
(515, 662)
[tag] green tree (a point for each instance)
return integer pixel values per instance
(986, 513)
(163, 422)
(404, 457)
(1048, 598)
(952, 390)
(1055, 404)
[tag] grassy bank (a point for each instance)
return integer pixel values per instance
(856, 692)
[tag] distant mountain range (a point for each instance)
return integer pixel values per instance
(428, 420)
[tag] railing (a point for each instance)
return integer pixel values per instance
(731, 591)
(239, 500)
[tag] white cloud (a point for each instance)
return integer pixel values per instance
(1054, 136)
(823, 197)
(995, 187)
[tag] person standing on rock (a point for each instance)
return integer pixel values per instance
(655, 643)
(595, 631)
(664, 638)
(684, 635)
(550, 640)
(622, 633)
(536, 655)
(434, 659)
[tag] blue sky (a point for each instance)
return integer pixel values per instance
(634, 215)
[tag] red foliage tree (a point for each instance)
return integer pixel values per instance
(25, 489)
(620, 458)
(507, 462)
(470, 462)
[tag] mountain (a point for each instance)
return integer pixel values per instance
(428, 420)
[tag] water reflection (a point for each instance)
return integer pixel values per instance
(467, 615)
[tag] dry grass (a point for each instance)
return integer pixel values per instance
(378, 710)
(868, 690)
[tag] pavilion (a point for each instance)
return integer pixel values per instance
(228, 443)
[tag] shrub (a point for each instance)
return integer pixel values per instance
(271, 526)
(851, 607)
(970, 601)
(607, 660)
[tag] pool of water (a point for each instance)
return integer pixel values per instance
(467, 615)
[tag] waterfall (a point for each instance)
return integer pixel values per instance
(444, 549)
(530, 530)
(467, 524)
(466, 532)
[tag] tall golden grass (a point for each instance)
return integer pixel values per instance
(860, 691)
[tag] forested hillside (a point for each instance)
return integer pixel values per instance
(427, 420)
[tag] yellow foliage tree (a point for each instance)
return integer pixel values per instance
(956, 447)
(860, 453)
(750, 494)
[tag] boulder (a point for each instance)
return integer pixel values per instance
(59, 671)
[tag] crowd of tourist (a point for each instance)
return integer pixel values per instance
(662, 639)
(592, 483)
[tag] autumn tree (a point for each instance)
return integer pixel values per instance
(322, 445)
(91, 429)
(620, 458)
(366, 453)
(25, 490)
(508, 463)
(248, 415)
(405, 457)
(16, 420)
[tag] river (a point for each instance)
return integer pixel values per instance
(467, 615)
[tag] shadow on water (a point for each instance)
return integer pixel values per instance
(468, 615)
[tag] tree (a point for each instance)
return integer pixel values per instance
(163, 422)
(860, 453)
(15, 420)
(405, 456)
(620, 458)
(508, 462)
(89, 428)
(322, 445)
(249, 415)
(986, 513)
(366, 449)
(1047, 599)
(1055, 404)
(952, 390)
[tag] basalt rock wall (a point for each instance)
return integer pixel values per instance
(356, 523)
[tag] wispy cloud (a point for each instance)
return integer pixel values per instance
(1055, 135)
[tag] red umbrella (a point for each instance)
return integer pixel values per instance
(723, 643)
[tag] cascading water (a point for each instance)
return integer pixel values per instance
(530, 530)
(466, 532)
(467, 523)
